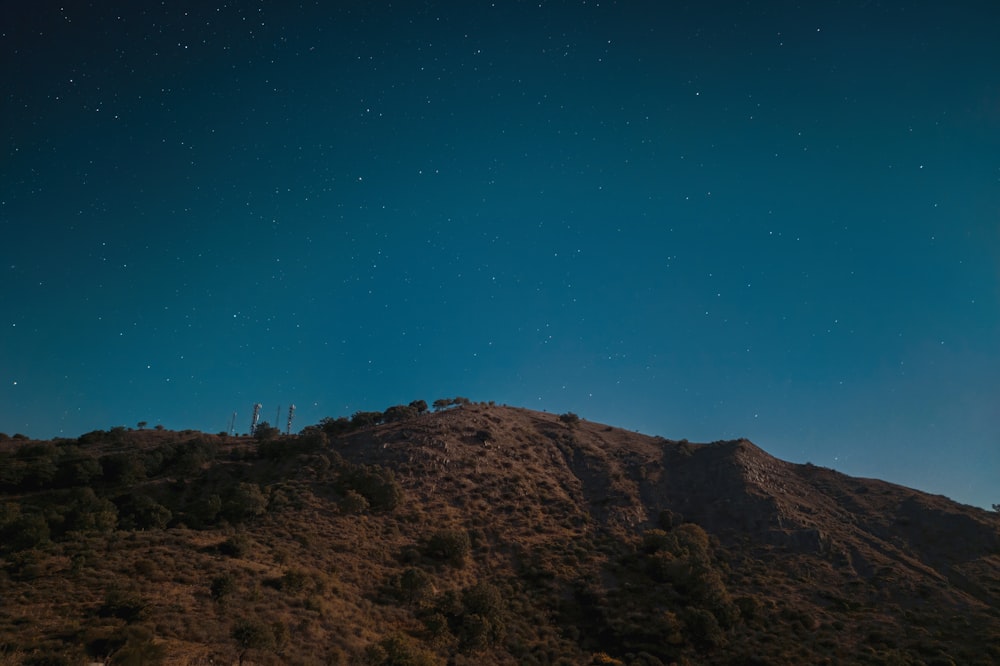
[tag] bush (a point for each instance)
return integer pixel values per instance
(365, 419)
(376, 484)
(449, 545)
(479, 621)
(353, 502)
(239, 545)
(251, 634)
(265, 432)
(399, 650)
(27, 531)
(703, 628)
(414, 586)
(148, 514)
(123, 604)
(87, 512)
(294, 581)
(569, 418)
(122, 469)
(139, 649)
(244, 503)
(398, 413)
(222, 586)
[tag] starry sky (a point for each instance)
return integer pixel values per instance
(704, 220)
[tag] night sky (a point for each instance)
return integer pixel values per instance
(702, 220)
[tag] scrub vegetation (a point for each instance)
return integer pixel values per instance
(476, 534)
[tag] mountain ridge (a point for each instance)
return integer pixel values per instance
(537, 537)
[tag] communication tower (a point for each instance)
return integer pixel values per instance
(291, 414)
(232, 424)
(256, 418)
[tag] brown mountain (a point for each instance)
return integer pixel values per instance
(477, 535)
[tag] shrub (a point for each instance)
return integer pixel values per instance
(238, 545)
(244, 503)
(703, 628)
(399, 650)
(139, 649)
(251, 634)
(481, 622)
(222, 586)
(569, 418)
(398, 413)
(366, 419)
(294, 581)
(123, 604)
(148, 514)
(87, 512)
(353, 502)
(376, 484)
(27, 531)
(449, 545)
(265, 431)
(122, 469)
(414, 585)
(654, 540)
(334, 427)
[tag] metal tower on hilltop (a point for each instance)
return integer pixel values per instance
(232, 424)
(256, 418)
(291, 414)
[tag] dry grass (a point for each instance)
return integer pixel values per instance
(332, 560)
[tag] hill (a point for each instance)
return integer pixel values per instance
(477, 534)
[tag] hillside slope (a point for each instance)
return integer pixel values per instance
(478, 535)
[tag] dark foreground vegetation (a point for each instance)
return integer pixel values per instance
(476, 534)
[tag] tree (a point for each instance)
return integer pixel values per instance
(245, 502)
(419, 405)
(444, 403)
(265, 432)
(147, 513)
(366, 419)
(334, 427)
(398, 413)
(142, 424)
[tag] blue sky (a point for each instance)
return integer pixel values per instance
(697, 220)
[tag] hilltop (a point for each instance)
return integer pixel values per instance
(477, 534)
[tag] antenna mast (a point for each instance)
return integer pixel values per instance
(291, 414)
(232, 424)
(256, 418)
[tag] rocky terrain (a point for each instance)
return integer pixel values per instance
(477, 534)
